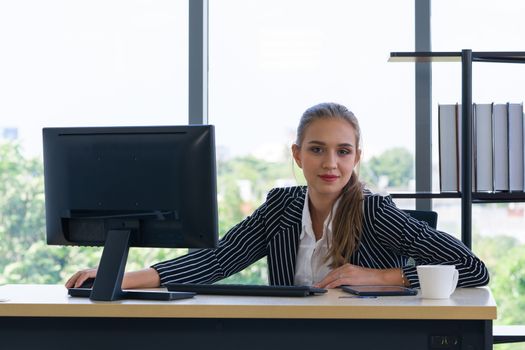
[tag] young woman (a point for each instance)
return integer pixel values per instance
(329, 233)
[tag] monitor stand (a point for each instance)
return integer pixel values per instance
(107, 285)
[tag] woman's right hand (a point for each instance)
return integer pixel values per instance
(80, 277)
(145, 278)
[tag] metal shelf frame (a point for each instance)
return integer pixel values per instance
(466, 57)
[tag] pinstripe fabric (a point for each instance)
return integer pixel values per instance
(389, 238)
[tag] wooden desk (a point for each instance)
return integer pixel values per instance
(44, 316)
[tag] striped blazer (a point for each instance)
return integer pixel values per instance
(389, 239)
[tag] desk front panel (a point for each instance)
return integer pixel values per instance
(245, 334)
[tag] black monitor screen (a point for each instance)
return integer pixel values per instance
(158, 183)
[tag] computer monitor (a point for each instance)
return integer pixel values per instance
(122, 187)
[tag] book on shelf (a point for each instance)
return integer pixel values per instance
(500, 147)
(482, 147)
(449, 146)
(516, 146)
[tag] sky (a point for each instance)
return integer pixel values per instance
(125, 63)
(117, 62)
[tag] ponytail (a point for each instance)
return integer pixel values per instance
(347, 223)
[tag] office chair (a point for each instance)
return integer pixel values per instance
(430, 217)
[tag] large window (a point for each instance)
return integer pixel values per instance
(70, 63)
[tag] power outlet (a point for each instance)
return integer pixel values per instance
(445, 342)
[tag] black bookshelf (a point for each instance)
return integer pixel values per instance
(498, 197)
(466, 57)
(426, 195)
(478, 56)
(477, 197)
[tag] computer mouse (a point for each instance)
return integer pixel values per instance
(88, 283)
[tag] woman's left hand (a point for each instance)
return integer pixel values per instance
(349, 274)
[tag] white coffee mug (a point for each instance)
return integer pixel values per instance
(437, 281)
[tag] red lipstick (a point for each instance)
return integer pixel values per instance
(329, 177)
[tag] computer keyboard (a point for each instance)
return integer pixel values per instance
(245, 289)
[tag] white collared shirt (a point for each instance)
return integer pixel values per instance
(310, 266)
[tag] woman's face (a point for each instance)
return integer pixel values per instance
(327, 156)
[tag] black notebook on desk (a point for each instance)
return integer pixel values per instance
(245, 289)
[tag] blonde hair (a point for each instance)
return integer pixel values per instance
(348, 218)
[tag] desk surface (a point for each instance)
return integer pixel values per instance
(53, 301)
